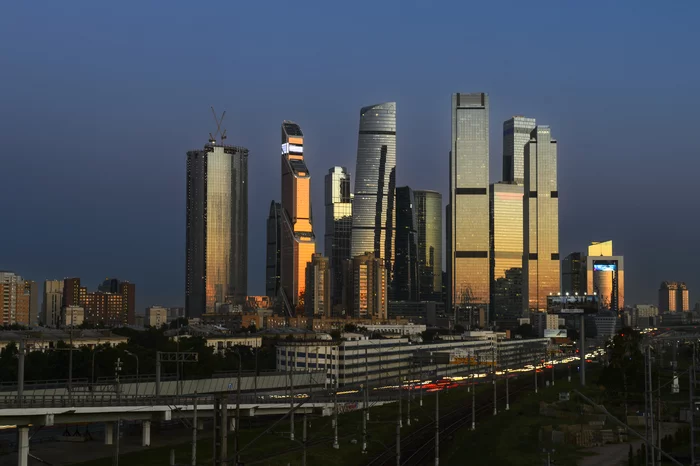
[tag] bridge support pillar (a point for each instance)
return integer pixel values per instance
(146, 435)
(109, 433)
(22, 445)
(200, 424)
(232, 425)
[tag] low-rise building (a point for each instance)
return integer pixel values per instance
(48, 339)
(72, 316)
(222, 342)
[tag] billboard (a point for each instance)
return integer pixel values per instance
(577, 304)
(604, 266)
(555, 333)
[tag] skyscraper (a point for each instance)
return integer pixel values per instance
(429, 227)
(367, 286)
(573, 273)
(32, 290)
(516, 135)
(274, 247)
(374, 214)
(605, 275)
(540, 221)
(506, 247)
(338, 237)
(128, 292)
(405, 284)
(298, 240)
(318, 291)
(217, 228)
(673, 297)
(468, 215)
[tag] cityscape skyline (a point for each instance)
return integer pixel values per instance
(143, 225)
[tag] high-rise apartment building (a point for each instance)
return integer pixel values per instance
(573, 274)
(53, 301)
(14, 302)
(541, 265)
(338, 237)
(468, 214)
(317, 298)
(605, 276)
(128, 292)
(405, 285)
(31, 289)
(673, 297)
(506, 247)
(274, 248)
(217, 228)
(298, 240)
(73, 293)
(516, 135)
(103, 308)
(367, 287)
(374, 212)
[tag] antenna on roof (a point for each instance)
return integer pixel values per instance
(219, 121)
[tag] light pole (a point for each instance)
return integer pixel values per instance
(137, 369)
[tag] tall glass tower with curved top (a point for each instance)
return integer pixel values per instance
(298, 243)
(373, 211)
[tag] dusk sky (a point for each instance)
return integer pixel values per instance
(100, 101)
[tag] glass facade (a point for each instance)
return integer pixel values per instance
(506, 248)
(429, 228)
(298, 243)
(516, 135)
(374, 215)
(317, 294)
(573, 278)
(541, 264)
(605, 276)
(274, 240)
(338, 200)
(217, 228)
(468, 216)
(405, 284)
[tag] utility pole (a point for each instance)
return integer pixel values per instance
(303, 441)
(194, 432)
(335, 405)
(495, 395)
(291, 401)
(399, 395)
(582, 349)
(651, 407)
(398, 440)
(70, 359)
(421, 382)
(366, 387)
(691, 382)
(117, 430)
(536, 373)
(237, 438)
(474, 398)
(507, 394)
(437, 428)
(20, 372)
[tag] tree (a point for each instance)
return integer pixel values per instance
(630, 457)
(625, 373)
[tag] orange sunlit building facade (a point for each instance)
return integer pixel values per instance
(298, 239)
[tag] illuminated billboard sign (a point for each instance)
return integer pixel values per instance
(292, 148)
(577, 304)
(604, 266)
(555, 333)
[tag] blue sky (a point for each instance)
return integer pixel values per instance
(100, 101)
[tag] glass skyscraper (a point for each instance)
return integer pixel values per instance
(274, 247)
(338, 229)
(506, 247)
(468, 214)
(516, 135)
(428, 207)
(217, 228)
(405, 285)
(540, 221)
(374, 214)
(298, 243)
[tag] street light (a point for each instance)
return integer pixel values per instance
(137, 369)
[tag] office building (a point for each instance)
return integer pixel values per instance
(374, 212)
(405, 285)
(605, 276)
(573, 274)
(516, 135)
(366, 287)
(274, 248)
(541, 265)
(468, 213)
(14, 302)
(32, 290)
(53, 301)
(338, 237)
(298, 243)
(156, 316)
(217, 228)
(317, 298)
(428, 207)
(505, 248)
(673, 297)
